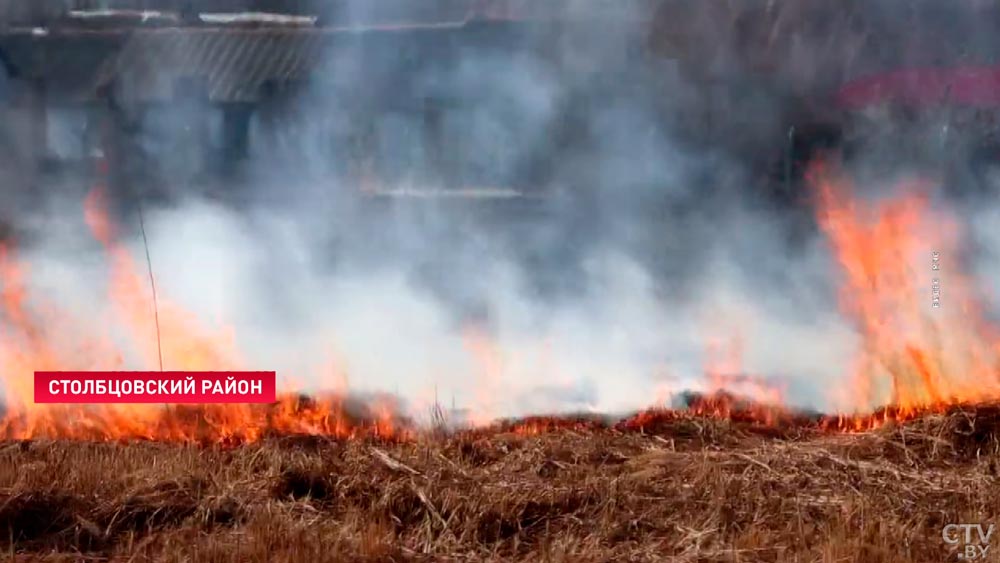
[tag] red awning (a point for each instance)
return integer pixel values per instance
(968, 86)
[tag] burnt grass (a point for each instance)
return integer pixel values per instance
(673, 488)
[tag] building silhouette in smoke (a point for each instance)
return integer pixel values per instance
(194, 88)
(220, 78)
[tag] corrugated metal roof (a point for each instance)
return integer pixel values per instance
(232, 66)
(232, 59)
(232, 63)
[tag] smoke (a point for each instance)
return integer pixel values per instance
(644, 230)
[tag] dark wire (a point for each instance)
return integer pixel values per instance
(115, 109)
(152, 284)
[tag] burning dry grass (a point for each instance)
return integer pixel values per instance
(684, 489)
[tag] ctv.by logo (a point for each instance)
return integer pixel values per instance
(972, 541)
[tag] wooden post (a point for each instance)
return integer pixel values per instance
(28, 118)
(38, 122)
(236, 133)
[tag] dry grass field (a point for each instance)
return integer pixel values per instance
(674, 488)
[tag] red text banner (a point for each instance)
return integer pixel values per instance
(173, 387)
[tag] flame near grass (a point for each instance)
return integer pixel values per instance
(913, 357)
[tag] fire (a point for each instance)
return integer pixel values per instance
(724, 372)
(35, 338)
(490, 365)
(914, 356)
(187, 345)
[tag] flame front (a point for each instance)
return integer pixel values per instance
(914, 356)
(36, 339)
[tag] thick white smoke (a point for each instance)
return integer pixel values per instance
(604, 295)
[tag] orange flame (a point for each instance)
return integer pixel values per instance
(29, 343)
(490, 367)
(914, 356)
(725, 371)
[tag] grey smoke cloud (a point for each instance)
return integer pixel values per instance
(652, 239)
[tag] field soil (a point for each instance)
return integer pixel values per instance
(673, 488)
